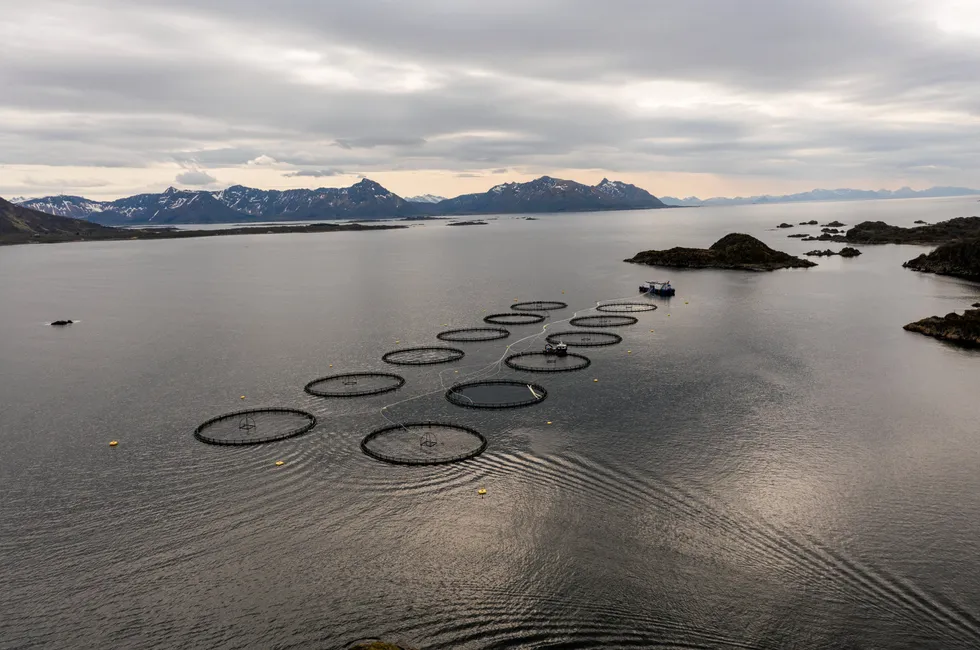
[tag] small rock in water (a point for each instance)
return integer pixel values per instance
(785, 225)
(62, 322)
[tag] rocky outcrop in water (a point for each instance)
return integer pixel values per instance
(785, 225)
(959, 259)
(832, 231)
(834, 224)
(62, 322)
(847, 251)
(734, 251)
(827, 237)
(919, 221)
(798, 235)
(812, 222)
(467, 223)
(879, 232)
(962, 330)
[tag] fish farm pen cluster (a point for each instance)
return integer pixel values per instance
(437, 443)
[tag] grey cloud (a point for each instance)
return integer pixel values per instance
(314, 173)
(195, 177)
(541, 100)
(370, 142)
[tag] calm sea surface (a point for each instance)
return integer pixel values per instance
(766, 461)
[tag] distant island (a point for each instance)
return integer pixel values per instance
(733, 251)
(365, 199)
(824, 195)
(19, 225)
(879, 232)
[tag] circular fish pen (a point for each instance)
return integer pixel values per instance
(423, 443)
(626, 307)
(539, 305)
(541, 362)
(355, 384)
(604, 321)
(579, 339)
(496, 394)
(513, 318)
(255, 426)
(423, 356)
(473, 334)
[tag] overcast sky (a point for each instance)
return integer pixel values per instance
(708, 97)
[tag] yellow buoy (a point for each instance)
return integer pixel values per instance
(243, 397)
(481, 491)
(331, 365)
(651, 331)
(549, 421)
(686, 303)
(400, 341)
(280, 462)
(595, 380)
(629, 352)
(113, 443)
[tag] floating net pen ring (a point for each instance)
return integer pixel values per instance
(539, 305)
(541, 362)
(355, 384)
(423, 443)
(584, 339)
(496, 394)
(513, 318)
(473, 334)
(604, 321)
(243, 423)
(423, 356)
(626, 307)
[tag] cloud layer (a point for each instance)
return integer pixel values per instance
(803, 93)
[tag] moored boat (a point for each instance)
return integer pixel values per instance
(657, 288)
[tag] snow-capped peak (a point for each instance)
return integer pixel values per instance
(426, 198)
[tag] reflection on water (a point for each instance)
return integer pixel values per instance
(767, 460)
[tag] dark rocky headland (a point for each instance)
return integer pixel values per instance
(733, 251)
(959, 259)
(962, 330)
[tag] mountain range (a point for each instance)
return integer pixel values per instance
(825, 195)
(365, 199)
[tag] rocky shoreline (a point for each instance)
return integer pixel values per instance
(111, 234)
(879, 232)
(960, 259)
(960, 330)
(734, 251)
